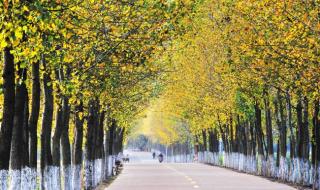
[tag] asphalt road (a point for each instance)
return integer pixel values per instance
(143, 173)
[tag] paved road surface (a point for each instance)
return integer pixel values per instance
(143, 173)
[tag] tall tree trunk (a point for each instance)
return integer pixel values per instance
(107, 148)
(252, 139)
(281, 125)
(224, 138)
(241, 137)
(259, 132)
(16, 155)
(46, 157)
(300, 131)
(65, 145)
(223, 135)
(314, 130)
(248, 143)
(59, 125)
(8, 76)
(316, 145)
(99, 135)
(268, 121)
(247, 131)
(204, 138)
(64, 74)
(56, 144)
(99, 151)
(287, 122)
(289, 125)
(245, 136)
(306, 138)
(236, 143)
(303, 134)
(77, 146)
(35, 109)
(231, 144)
(211, 140)
(111, 136)
(57, 134)
(116, 141)
(278, 154)
(33, 123)
(25, 144)
(89, 146)
(94, 145)
(106, 154)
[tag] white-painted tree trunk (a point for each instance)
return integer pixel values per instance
(15, 179)
(110, 165)
(4, 179)
(67, 177)
(28, 178)
(296, 171)
(76, 177)
(88, 170)
(56, 177)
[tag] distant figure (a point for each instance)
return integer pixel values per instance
(195, 158)
(153, 155)
(160, 157)
(126, 158)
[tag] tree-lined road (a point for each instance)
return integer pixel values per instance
(143, 173)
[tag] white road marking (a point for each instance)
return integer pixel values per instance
(187, 177)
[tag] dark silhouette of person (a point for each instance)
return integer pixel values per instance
(160, 157)
(153, 155)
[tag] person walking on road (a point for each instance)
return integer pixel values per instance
(153, 155)
(160, 157)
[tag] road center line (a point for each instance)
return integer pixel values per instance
(183, 174)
